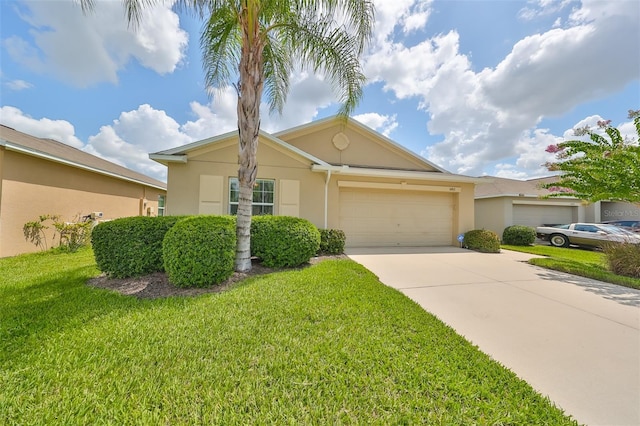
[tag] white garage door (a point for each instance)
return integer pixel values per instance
(531, 215)
(378, 218)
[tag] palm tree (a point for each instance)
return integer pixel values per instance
(262, 41)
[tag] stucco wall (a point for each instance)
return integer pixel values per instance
(184, 179)
(610, 210)
(497, 213)
(493, 214)
(32, 187)
(211, 166)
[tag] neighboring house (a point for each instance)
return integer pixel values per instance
(42, 176)
(503, 202)
(335, 173)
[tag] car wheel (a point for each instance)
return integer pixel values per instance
(559, 240)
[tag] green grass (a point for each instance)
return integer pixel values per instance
(328, 344)
(585, 263)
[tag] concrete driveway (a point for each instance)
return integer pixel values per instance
(574, 340)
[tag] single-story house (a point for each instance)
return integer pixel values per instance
(337, 174)
(501, 202)
(42, 176)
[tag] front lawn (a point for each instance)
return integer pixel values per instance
(328, 344)
(576, 261)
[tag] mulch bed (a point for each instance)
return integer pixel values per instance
(157, 285)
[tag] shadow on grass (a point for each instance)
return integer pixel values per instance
(34, 313)
(617, 293)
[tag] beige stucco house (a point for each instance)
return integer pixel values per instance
(42, 176)
(335, 173)
(502, 202)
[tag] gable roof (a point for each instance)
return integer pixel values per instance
(179, 154)
(492, 187)
(52, 150)
(314, 126)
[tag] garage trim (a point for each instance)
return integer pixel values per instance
(542, 203)
(396, 186)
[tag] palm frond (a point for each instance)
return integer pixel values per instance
(220, 44)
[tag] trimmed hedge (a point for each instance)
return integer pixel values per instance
(519, 235)
(282, 241)
(482, 240)
(131, 246)
(200, 251)
(332, 241)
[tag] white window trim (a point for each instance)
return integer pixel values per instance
(272, 204)
(162, 209)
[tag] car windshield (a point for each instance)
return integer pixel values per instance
(615, 230)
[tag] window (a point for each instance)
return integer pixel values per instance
(262, 196)
(161, 201)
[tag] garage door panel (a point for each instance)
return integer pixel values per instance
(531, 215)
(402, 218)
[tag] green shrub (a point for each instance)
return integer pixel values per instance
(282, 241)
(482, 240)
(623, 259)
(131, 246)
(71, 235)
(332, 241)
(200, 251)
(519, 235)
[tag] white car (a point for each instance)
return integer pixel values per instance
(585, 234)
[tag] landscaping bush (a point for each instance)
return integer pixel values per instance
(71, 235)
(482, 240)
(283, 241)
(332, 241)
(131, 246)
(623, 259)
(200, 251)
(519, 235)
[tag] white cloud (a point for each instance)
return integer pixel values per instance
(23, 53)
(406, 15)
(135, 134)
(308, 94)
(84, 50)
(383, 124)
(531, 152)
(537, 8)
(483, 115)
(59, 130)
(217, 117)
(18, 85)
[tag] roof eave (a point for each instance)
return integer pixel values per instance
(168, 158)
(523, 196)
(17, 148)
(401, 174)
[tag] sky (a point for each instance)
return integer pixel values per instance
(477, 87)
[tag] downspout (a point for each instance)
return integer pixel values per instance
(326, 197)
(328, 169)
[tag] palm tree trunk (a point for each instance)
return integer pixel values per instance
(249, 97)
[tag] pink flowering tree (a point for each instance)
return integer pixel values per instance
(601, 168)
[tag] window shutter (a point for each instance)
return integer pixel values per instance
(211, 190)
(289, 198)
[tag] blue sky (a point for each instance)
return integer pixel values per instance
(477, 87)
